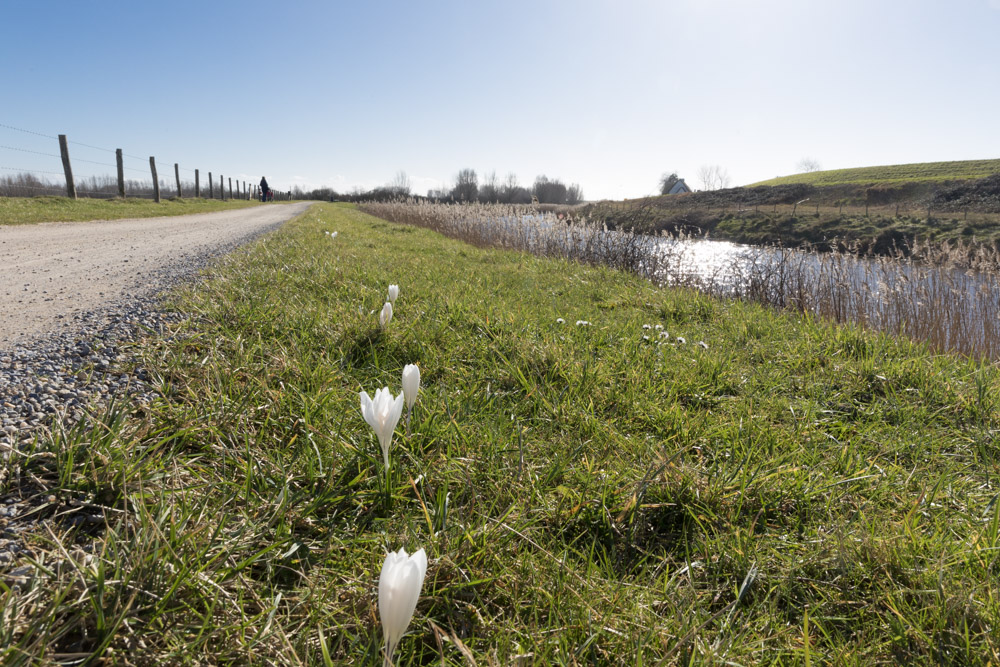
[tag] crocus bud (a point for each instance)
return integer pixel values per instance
(393, 293)
(386, 315)
(411, 384)
(398, 591)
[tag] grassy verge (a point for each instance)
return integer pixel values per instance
(894, 174)
(793, 493)
(21, 210)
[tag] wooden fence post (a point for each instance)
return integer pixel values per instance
(177, 176)
(121, 172)
(156, 183)
(230, 187)
(197, 186)
(211, 186)
(222, 188)
(64, 151)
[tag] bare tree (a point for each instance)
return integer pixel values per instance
(508, 188)
(549, 191)
(466, 186)
(574, 194)
(713, 177)
(511, 192)
(808, 164)
(400, 184)
(489, 191)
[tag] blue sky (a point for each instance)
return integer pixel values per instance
(606, 94)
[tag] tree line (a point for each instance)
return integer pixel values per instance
(467, 188)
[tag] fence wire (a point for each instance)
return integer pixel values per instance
(42, 180)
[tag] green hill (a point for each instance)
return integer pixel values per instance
(897, 173)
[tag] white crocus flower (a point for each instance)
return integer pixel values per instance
(398, 591)
(382, 413)
(411, 385)
(386, 315)
(393, 293)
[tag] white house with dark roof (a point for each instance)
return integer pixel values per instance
(679, 187)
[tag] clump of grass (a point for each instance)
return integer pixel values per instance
(796, 492)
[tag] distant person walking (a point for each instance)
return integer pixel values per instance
(264, 189)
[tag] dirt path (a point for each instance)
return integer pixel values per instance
(51, 271)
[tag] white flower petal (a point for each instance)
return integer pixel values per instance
(368, 410)
(411, 384)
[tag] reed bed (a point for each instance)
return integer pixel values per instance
(943, 294)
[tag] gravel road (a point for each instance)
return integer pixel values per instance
(51, 271)
(75, 296)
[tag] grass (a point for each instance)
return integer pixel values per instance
(796, 493)
(23, 210)
(893, 174)
(940, 292)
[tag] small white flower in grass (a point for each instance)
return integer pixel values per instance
(681, 340)
(645, 337)
(382, 413)
(703, 344)
(411, 385)
(386, 315)
(663, 334)
(646, 327)
(333, 235)
(393, 293)
(399, 587)
(560, 320)
(582, 323)
(659, 327)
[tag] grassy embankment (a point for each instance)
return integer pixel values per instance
(22, 210)
(794, 494)
(963, 170)
(875, 207)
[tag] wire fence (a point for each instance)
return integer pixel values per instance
(34, 164)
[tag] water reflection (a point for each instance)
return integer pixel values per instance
(951, 308)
